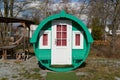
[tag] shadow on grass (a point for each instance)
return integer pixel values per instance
(41, 66)
(83, 65)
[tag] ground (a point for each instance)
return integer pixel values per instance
(94, 68)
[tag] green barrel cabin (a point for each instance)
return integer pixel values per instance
(61, 42)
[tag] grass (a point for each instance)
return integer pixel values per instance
(36, 70)
(31, 76)
(28, 75)
(98, 70)
(97, 75)
(94, 69)
(4, 79)
(61, 76)
(35, 76)
(14, 76)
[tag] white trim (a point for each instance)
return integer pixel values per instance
(81, 40)
(41, 39)
(61, 22)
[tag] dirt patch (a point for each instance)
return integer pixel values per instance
(19, 70)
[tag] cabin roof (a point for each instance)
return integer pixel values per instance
(62, 14)
(15, 20)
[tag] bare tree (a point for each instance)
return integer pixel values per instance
(10, 10)
(115, 21)
(1, 8)
(5, 28)
(107, 11)
(20, 6)
(11, 13)
(11, 7)
(44, 8)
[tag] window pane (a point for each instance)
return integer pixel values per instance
(58, 42)
(58, 27)
(64, 42)
(58, 34)
(64, 35)
(64, 28)
(45, 39)
(77, 39)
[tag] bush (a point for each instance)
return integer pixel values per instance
(97, 29)
(97, 33)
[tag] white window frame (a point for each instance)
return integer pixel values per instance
(62, 22)
(41, 46)
(81, 40)
(32, 29)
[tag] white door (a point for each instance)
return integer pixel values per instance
(61, 43)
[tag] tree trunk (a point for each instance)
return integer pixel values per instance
(6, 24)
(11, 13)
(114, 22)
(6, 8)
(113, 39)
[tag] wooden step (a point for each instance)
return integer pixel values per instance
(61, 66)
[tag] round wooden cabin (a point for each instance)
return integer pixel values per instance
(61, 42)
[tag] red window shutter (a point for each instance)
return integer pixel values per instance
(77, 39)
(45, 39)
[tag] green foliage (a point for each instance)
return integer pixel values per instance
(97, 33)
(97, 29)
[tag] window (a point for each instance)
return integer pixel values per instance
(44, 41)
(77, 40)
(61, 35)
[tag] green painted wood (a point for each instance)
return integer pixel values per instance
(61, 76)
(62, 14)
(78, 55)
(78, 58)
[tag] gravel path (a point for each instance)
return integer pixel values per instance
(13, 69)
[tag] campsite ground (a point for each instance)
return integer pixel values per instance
(94, 68)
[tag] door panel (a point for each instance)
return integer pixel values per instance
(61, 43)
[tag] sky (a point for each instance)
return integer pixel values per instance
(73, 3)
